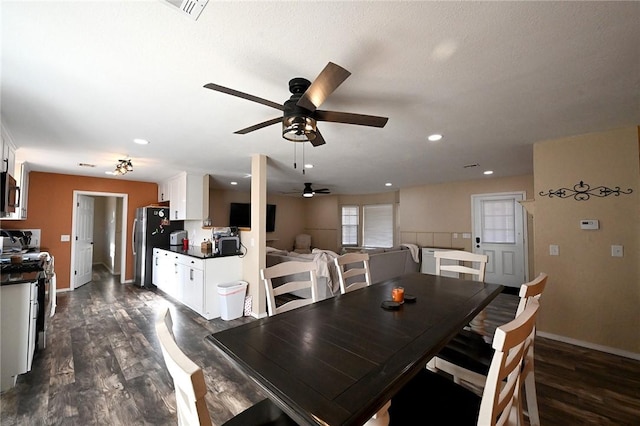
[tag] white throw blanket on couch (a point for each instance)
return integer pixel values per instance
(324, 260)
(414, 251)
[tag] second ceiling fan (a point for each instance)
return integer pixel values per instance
(300, 112)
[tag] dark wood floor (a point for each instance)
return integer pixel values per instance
(103, 366)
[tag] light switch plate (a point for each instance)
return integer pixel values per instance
(554, 250)
(65, 238)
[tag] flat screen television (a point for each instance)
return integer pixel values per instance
(240, 216)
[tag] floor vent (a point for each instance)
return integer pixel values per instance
(191, 8)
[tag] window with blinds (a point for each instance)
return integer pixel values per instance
(350, 225)
(377, 225)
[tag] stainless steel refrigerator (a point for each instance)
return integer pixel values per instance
(151, 228)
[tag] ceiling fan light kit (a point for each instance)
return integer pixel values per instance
(299, 128)
(123, 167)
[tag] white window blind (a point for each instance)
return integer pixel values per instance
(499, 219)
(377, 225)
(350, 225)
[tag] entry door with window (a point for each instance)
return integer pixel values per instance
(84, 240)
(499, 232)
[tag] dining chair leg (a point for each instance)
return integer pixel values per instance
(381, 418)
(532, 399)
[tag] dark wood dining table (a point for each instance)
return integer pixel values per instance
(338, 361)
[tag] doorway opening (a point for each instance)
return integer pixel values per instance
(107, 239)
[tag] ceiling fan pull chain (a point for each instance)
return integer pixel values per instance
(294, 155)
(303, 163)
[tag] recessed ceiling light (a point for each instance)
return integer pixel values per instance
(435, 137)
(233, 182)
(308, 166)
(388, 184)
(141, 141)
(109, 173)
(488, 172)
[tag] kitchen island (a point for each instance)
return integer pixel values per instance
(192, 276)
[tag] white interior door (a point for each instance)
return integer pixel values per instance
(499, 231)
(84, 240)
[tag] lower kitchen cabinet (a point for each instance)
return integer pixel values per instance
(18, 314)
(194, 281)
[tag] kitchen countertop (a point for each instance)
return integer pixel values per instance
(196, 252)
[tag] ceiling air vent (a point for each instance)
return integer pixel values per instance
(191, 8)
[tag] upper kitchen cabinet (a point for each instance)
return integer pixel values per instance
(8, 155)
(186, 195)
(19, 172)
(163, 191)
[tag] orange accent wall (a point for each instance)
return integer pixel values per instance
(50, 207)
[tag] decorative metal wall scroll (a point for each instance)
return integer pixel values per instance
(583, 191)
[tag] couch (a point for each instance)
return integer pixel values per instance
(328, 283)
(387, 263)
(384, 263)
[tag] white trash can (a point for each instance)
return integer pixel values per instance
(232, 299)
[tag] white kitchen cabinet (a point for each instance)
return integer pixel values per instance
(186, 197)
(163, 269)
(18, 312)
(8, 155)
(194, 281)
(163, 191)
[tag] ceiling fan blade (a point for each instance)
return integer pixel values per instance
(322, 191)
(259, 126)
(325, 83)
(319, 140)
(349, 118)
(243, 95)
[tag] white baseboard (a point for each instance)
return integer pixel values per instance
(588, 345)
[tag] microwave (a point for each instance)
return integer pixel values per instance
(10, 197)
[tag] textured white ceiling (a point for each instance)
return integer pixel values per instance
(80, 80)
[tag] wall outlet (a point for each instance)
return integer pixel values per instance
(554, 250)
(617, 251)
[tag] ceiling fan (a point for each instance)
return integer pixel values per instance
(300, 112)
(309, 192)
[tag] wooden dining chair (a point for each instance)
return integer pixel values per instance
(467, 357)
(476, 269)
(435, 399)
(464, 262)
(190, 388)
(353, 271)
(297, 276)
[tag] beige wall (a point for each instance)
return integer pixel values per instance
(290, 214)
(438, 215)
(591, 297)
(323, 216)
